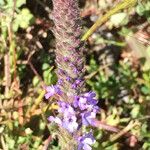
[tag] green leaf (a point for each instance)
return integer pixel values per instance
(10, 3)
(35, 81)
(145, 90)
(21, 140)
(140, 10)
(19, 3)
(119, 19)
(2, 2)
(26, 17)
(135, 111)
(146, 145)
(146, 77)
(45, 66)
(11, 144)
(23, 19)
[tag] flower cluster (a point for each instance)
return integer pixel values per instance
(85, 141)
(73, 115)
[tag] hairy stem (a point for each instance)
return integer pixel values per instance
(69, 48)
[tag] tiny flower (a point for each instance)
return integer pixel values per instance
(60, 81)
(90, 94)
(76, 83)
(82, 103)
(68, 78)
(70, 123)
(74, 86)
(51, 91)
(66, 59)
(90, 98)
(55, 119)
(85, 141)
(88, 118)
(65, 108)
(76, 101)
(75, 70)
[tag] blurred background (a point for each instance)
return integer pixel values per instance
(117, 64)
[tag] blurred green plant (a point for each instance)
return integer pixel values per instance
(127, 94)
(143, 9)
(12, 12)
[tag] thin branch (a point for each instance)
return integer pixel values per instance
(47, 142)
(124, 131)
(36, 73)
(7, 73)
(101, 20)
(36, 104)
(10, 37)
(102, 125)
(33, 69)
(3, 143)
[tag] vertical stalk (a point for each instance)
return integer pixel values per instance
(69, 57)
(69, 48)
(7, 73)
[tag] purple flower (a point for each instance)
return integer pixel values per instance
(90, 94)
(52, 90)
(76, 101)
(55, 119)
(65, 108)
(81, 102)
(66, 59)
(68, 78)
(60, 81)
(70, 123)
(88, 118)
(82, 111)
(85, 141)
(85, 102)
(90, 98)
(69, 120)
(76, 83)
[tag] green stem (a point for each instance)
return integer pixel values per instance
(103, 19)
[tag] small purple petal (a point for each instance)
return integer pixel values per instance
(60, 81)
(51, 118)
(78, 81)
(90, 94)
(48, 95)
(74, 86)
(88, 117)
(66, 59)
(70, 124)
(52, 90)
(68, 78)
(65, 108)
(86, 147)
(92, 102)
(85, 141)
(82, 103)
(76, 101)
